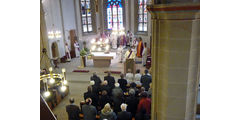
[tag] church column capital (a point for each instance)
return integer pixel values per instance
(175, 11)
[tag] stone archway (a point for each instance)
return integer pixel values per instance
(54, 48)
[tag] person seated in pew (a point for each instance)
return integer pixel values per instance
(123, 83)
(106, 87)
(129, 76)
(132, 102)
(137, 77)
(124, 115)
(89, 111)
(146, 80)
(107, 113)
(92, 95)
(104, 99)
(73, 110)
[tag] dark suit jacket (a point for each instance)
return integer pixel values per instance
(97, 80)
(89, 112)
(123, 84)
(111, 81)
(93, 96)
(107, 88)
(73, 112)
(124, 115)
(104, 99)
(146, 80)
(132, 103)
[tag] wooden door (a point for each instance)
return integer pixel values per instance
(73, 37)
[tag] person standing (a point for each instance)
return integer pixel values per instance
(123, 83)
(129, 76)
(137, 77)
(124, 115)
(67, 51)
(144, 108)
(92, 95)
(140, 47)
(107, 113)
(146, 80)
(144, 54)
(77, 49)
(89, 111)
(72, 110)
(132, 102)
(110, 80)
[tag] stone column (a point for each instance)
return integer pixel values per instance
(45, 63)
(175, 60)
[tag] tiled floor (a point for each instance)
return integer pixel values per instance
(78, 82)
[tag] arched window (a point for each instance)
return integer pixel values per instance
(86, 16)
(114, 15)
(142, 15)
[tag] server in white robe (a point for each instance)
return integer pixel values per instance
(144, 54)
(77, 49)
(67, 50)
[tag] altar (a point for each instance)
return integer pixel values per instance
(101, 59)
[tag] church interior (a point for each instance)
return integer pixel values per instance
(150, 49)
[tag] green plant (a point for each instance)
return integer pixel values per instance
(83, 52)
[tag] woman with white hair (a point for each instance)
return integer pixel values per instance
(107, 113)
(124, 115)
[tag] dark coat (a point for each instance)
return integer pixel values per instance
(89, 112)
(146, 80)
(132, 103)
(123, 84)
(124, 115)
(110, 80)
(117, 101)
(104, 99)
(97, 80)
(93, 96)
(107, 88)
(73, 112)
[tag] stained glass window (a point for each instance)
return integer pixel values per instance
(114, 15)
(142, 15)
(86, 16)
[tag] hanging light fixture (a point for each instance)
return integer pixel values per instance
(54, 34)
(51, 77)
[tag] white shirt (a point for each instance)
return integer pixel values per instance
(137, 78)
(66, 49)
(129, 77)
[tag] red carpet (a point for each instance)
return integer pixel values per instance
(84, 71)
(114, 72)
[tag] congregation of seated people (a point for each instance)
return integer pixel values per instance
(127, 98)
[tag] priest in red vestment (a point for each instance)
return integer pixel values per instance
(140, 47)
